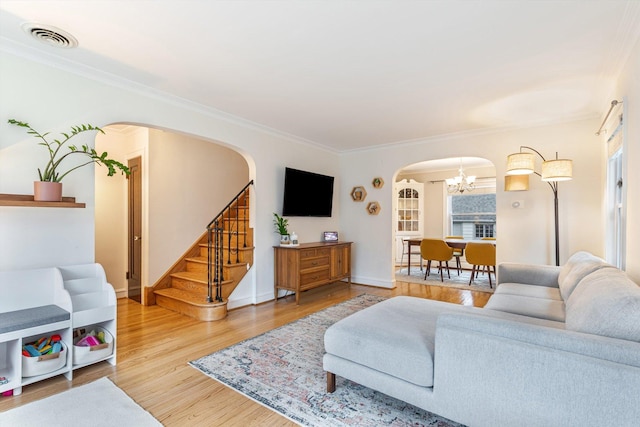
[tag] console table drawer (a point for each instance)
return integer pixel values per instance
(312, 277)
(314, 252)
(306, 264)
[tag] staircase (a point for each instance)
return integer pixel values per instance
(200, 282)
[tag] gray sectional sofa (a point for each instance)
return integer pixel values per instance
(554, 346)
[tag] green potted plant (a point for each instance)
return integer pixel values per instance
(49, 187)
(281, 225)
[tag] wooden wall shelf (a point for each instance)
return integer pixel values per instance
(27, 200)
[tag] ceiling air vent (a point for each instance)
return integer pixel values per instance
(50, 35)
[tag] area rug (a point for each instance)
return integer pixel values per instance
(481, 283)
(97, 404)
(282, 370)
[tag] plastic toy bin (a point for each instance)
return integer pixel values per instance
(83, 355)
(34, 366)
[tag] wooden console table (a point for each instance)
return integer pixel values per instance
(309, 265)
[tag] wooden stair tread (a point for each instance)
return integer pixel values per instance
(187, 297)
(203, 260)
(195, 276)
(226, 247)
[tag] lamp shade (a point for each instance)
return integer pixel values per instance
(516, 182)
(557, 170)
(520, 164)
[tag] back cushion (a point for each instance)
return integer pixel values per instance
(577, 267)
(607, 303)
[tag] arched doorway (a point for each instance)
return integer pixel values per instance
(424, 204)
(185, 181)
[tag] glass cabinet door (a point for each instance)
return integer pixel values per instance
(408, 214)
(409, 208)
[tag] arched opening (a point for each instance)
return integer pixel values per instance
(431, 201)
(185, 181)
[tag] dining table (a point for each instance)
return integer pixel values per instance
(454, 243)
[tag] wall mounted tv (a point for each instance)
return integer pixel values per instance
(307, 194)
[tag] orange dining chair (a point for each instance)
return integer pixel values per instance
(487, 238)
(457, 252)
(480, 255)
(436, 250)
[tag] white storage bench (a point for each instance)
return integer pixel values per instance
(36, 303)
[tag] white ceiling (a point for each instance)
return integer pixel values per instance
(350, 74)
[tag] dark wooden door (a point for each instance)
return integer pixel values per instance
(135, 229)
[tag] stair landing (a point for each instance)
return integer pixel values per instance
(191, 304)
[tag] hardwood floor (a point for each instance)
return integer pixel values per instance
(155, 344)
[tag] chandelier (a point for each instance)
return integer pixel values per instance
(460, 183)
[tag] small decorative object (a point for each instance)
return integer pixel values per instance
(281, 225)
(373, 208)
(330, 236)
(294, 239)
(358, 194)
(377, 182)
(52, 173)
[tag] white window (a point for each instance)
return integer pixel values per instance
(615, 195)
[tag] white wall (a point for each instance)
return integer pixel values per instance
(52, 99)
(526, 235)
(56, 99)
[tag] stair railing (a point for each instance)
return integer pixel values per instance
(231, 222)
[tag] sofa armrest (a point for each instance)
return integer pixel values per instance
(508, 371)
(540, 275)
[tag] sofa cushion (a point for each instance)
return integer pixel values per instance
(395, 336)
(525, 290)
(577, 267)
(606, 302)
(541, 308)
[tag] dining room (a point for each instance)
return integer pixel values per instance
(452, 202)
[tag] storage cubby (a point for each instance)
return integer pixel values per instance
(43, 302)
(33, 370)
(8, 365)
(94, 306)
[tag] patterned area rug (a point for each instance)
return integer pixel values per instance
(481, 283)
(282, 369)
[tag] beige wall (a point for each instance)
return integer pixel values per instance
(186, 182)
(190, 182)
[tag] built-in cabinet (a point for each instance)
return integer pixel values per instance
(408, 216)
(309, 265)
(64, 301)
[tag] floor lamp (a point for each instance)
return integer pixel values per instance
(521, 165)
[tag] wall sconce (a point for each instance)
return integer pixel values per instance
(520, 165)
(516, 183)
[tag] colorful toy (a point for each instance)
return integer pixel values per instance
(88, 341)
(42, 346)
(32, 350)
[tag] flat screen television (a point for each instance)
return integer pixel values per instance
(307, 194)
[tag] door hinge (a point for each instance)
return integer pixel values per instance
(127, 275)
